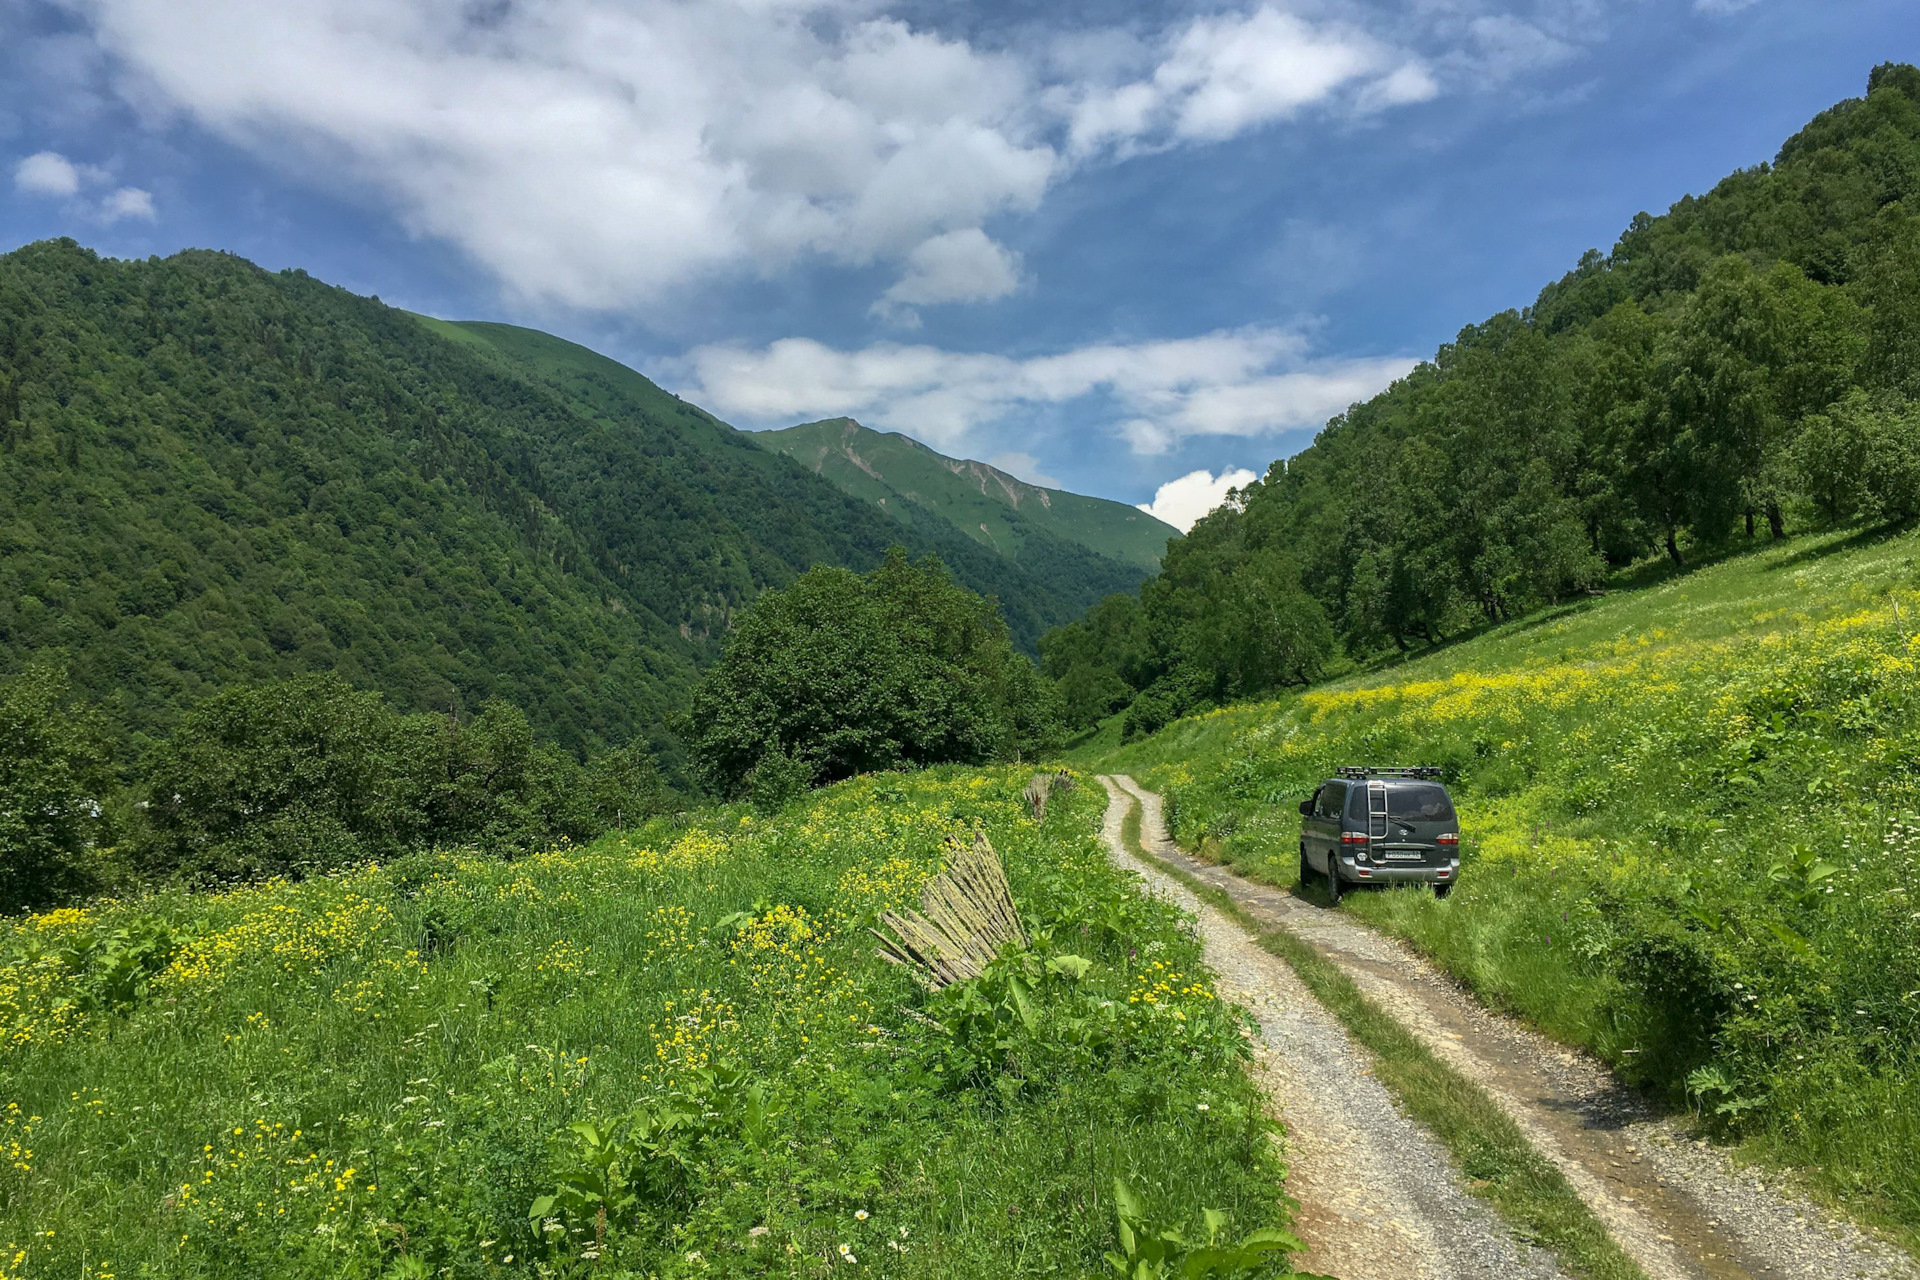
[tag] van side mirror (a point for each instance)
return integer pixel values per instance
(1306, 808)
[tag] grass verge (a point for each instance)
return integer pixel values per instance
(671, 1054)
(1501, 1166)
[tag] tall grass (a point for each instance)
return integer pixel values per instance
(1692, 820)
(379, 1073)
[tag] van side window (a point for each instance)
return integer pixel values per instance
(1327, 803)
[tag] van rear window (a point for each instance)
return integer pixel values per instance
(1420, 800)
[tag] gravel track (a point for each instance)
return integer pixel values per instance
(1679, 1207)
(1379, 1199)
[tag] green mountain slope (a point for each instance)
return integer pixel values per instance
(995, 509)
(1039, 577)
(214, 474)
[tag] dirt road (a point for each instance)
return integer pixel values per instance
(1380, 1197)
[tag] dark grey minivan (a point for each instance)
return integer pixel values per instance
(1380, 826)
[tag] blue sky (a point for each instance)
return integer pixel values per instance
(1106, 247)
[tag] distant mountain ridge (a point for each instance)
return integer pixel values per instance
(212, 474)
(1036, 567)
(1013, 516)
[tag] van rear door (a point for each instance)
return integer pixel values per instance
(1418, 814)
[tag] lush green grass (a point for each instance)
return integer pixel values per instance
(1692, 819)
(377, 1073)
(1501, 1166)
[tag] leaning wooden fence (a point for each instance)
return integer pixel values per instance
(966, 918)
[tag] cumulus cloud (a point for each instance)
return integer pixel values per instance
(605, 153)
(1247, 382)
(1182, 502)
(958, 266)
(1226, 73)
(127, 202)
(48, 173)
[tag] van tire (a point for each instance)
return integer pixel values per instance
(1306, 868)
(1442, 890)
(1333, 878)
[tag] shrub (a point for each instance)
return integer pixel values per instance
(53, 775)
(311, 774)
(847, 673)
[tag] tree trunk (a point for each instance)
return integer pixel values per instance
(1776, 520)
(1673, 547)
(1749, 522)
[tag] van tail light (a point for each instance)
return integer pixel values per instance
(1353, 837)
(1451, 839)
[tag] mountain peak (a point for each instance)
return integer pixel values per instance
(993, 507)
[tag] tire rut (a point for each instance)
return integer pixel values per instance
(1379, 1199)
(1681, 1209)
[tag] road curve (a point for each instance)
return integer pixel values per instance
(1678, 1207)
(1379, 1199)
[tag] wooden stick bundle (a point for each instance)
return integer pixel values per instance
(966, 916)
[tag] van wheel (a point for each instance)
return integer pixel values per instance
(1333, 878)
(1306, 868)
(1442, 890)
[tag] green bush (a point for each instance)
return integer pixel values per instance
(849, 673)
(311, 774)
(54, 778)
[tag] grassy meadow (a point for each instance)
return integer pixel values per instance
(1692, 836)
(670, 1053)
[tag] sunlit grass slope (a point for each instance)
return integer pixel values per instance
(381, 1073)
(1692, 818)
(986, 504)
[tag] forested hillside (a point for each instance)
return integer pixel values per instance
(901, 476)
(1038, 584)
(1744, 365)
(214, 474)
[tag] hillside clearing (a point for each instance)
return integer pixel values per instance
(1541, 1131)
(1692, 818)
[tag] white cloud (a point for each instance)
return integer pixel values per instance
(127, 202)
(958, 266)
(1721, 8)
(1182, 502)
(1224, 74)
(1247, 382)
(47, 173)
(607, 153)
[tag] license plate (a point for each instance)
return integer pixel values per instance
(1405, 855)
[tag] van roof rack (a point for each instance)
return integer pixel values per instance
(1388, 771)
